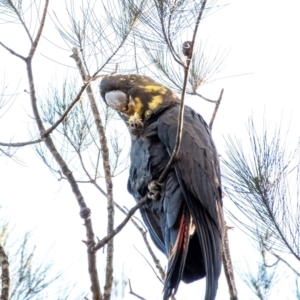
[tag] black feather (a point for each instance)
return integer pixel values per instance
(186, 222)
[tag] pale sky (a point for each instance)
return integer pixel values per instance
(262, 38)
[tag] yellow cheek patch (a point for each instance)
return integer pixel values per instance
(155, 102)
(151, 88)
(134, 107)
(138, 104)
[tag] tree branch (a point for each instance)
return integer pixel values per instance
(84, 210)
(39, 33)
(132, 293)
(228, 268)
(130, 213)
(134, 222)
(215, 110)
(108, 178)
(161, 178)
(21, 144)
(85, 85)
(204, 98)
(154, 258)
(63, 116)
(13, 52)
(175, 55)
(279, 258)
(226, 257)
(148, 264)
(5, 279)
(181, 111)
(20, 19)
(263, 254)
(139, 228)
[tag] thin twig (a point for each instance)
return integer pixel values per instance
(154, 258)
(13, 52)
(130, 213)
(228, 268)
(283, 260)
(148, 263)
(134, 222)
(181, 111)
(108, 178)
(139, 228)
(39, 33)
(21, 144)
(204, 98)
(263, 254)
(226, 257)
(63, 116)
(175, 55)
(84, 210)
(215, 110)
(5, 278)
(85, 85)
(132, 293)
(20, 19)
(161, 178)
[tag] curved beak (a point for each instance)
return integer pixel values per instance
(116, 100)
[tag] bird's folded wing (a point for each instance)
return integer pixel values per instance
(197, 169)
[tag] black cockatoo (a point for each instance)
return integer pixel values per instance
(185, 220)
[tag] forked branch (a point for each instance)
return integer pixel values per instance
(84, 210)
(108, 177)
(130, 213)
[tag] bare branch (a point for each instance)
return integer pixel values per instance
(154, 258)
(204, 98)
(279, 258)
(21, 144)
(63, 116)
(131, 212)
(12, 51)
(148, 263)
(139, 228)
(108, 178)
(215, 110)
(84, 210)
(228, 268)
(181, 111)
(263, 254)
(5, 279)
(226, 257)
(175, 55)
(132, 293)
(85, 85)
(13, 7)
(39, 33)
